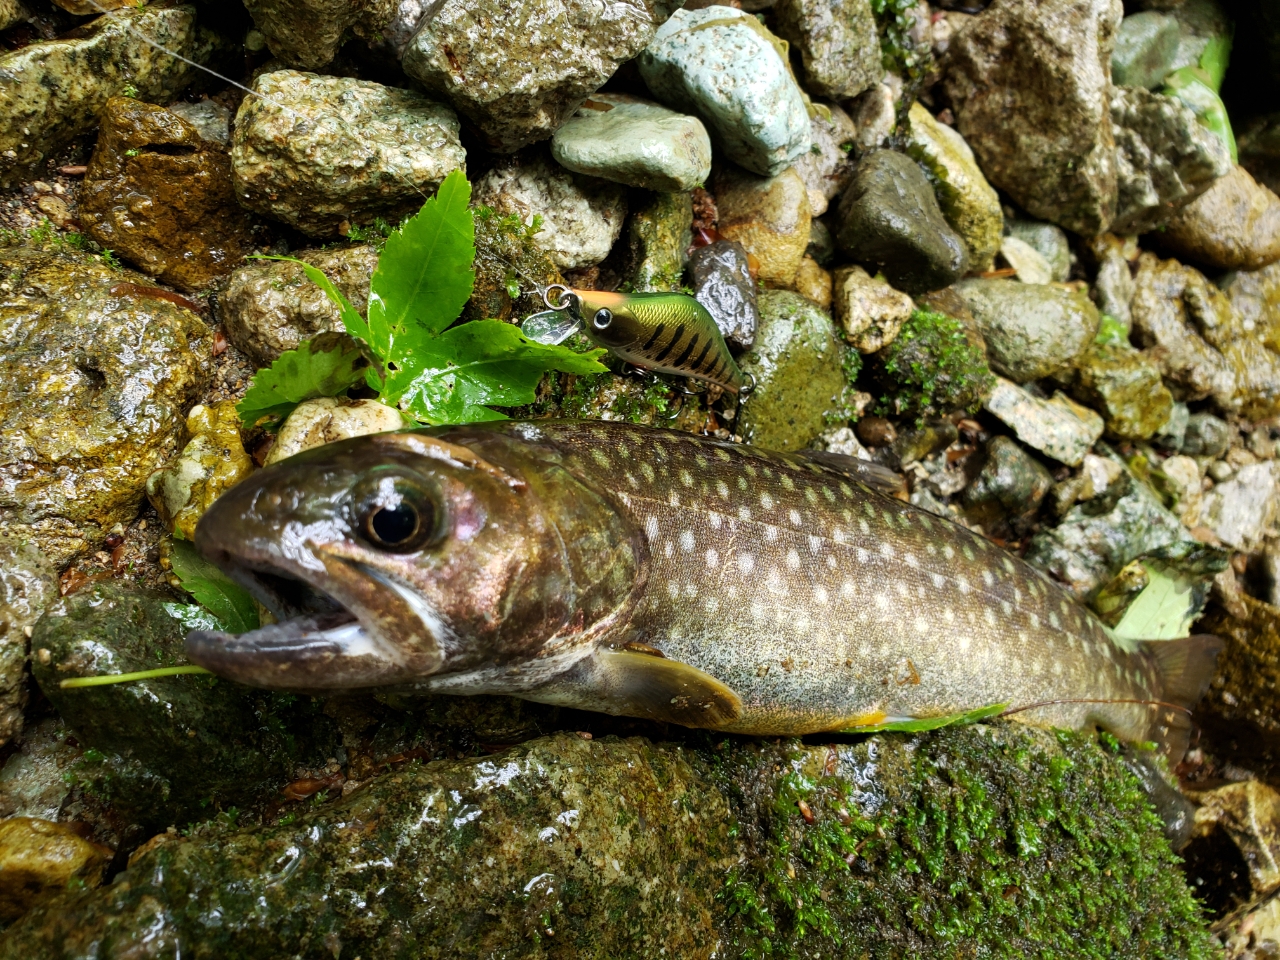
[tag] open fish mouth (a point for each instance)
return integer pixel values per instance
(331, 630)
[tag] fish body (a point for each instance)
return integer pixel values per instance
(668, 332)
(651, 573)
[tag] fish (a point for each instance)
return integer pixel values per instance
(669, 333)
(650, 573)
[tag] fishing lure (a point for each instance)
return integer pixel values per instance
(669, 333)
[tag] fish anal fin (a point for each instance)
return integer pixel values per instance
(872, 474)
(1186, 666)
(656, 688)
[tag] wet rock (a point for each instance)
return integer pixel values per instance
(837, 44)
(1047, 240)
(934, 365)
(813, 282)
(307, 34)
(1165, 158)
(1249, 812)
(55, 90)
(329, 419)
(213, 460)
(869, 311)
(634, 142)
(11, 12)
(1099, 480)
(582, 217)
(161, 197)
(888, 218)
(844, 441)
(34, 781)
(721, 281)
(270, 307)
(93, 385)
(1184, 484)
(1234, 225)
(769, 216)
(1201, 23)
(1124, 385)
(1026, 261)
(511, 269)
(1174, 432)
(920, 442)
(519, 70)
(1255, 298)
(1092, 543)
(167, 746)
(1030, 330)
(799, 369)
(1113, 286)
(1058, 427)
(630, 399)
(1009, 489)
(1029, 82)
(659, 234)
(1241, 511)
(657, 849)
(723, 65)
(39, 858)
(875, 114)
(28, 583)
(1199, 341)
(1248, 671)
(822, 246)
(825, 168)
(294, 158)
(209, 118)
(967, 200)
(1145, 51)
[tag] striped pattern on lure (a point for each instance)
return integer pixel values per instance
(669, 333)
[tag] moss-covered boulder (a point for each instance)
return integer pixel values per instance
(984, 841)
(162, 750)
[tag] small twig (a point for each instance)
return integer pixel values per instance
(110, 678)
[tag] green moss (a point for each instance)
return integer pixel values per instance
(933, 367)
(989, 842)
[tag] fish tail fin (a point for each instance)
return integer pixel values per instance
(1185, 668)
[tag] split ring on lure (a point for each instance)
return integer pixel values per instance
(668, 333)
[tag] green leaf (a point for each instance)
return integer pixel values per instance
(324, 367)
(459, 375)
(932, 723)
(424, 276)
(229, 602)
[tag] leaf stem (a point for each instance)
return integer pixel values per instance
(110, 678)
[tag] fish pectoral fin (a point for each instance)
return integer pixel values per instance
(878, 478)
(920, 724)
(656, 688)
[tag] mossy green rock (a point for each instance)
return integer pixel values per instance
(798, 367)
(55, 90)
(166, 747)
(998, 841)
(93, 388)
(508, 260)
(659, 232)
(1125, 386)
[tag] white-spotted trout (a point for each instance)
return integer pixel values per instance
(656, 574)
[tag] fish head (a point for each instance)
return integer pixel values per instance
(398, 557)
(608, 317)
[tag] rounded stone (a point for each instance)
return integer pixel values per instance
(315, 152)
(1146, 47)
(890, 219)
(39, 858)
(1234, 225)
(634, 142)
(837, 43)
(723, 65)
(314, 423)
(869, 311)
(722, 282)
(1031, 330)
(769, 216)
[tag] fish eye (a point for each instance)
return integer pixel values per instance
(603, 317)
(398, 514)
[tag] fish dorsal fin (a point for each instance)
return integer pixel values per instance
(873, 475)
(651, 686)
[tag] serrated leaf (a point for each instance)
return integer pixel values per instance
(932, 723)
(324, 367)
(230, 604)
(424, 276)
(458, 376)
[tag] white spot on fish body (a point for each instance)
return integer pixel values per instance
(651, 528)
(864, 528)
(722, 489)
(631, 479)
(829, 494)
(746, 563)
(910, 560)
(686, 540)
(723, 454)
(1006, 607)
(846, 490)
(949, 551)
(810, 495)
(668, 548)
(988, 579)
(815, 544)
(938, 579)
(963, 642)
(922, 625)
(715, 520)
(758, 611)
(882, 601)
(787, 482)
(794, 516)
(847, 590)
(742, 484)
(674, 499)
(1034, 620)
(793, 559)
(901, 588)
(837, 535)
(712, 605)
(886, 550)
(686, 478)
(962, 584)
(766, 501)
(989, 615)
(862, 555)
(599, 457)
(770, 533)
(820, 596)
(648, 473)
(1054, 621)
(1008, 565)
(744, 514)
(673, 588)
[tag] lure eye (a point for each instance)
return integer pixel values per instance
(602, 319)
(399, 514)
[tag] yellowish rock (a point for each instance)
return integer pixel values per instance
(1234, 225)
(213, 460)
(868, 311)
(814, 282)
(769, 216)
(1186, 486)
(1249, 812)
(317, 422)
(969, 203)
(38, 858)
